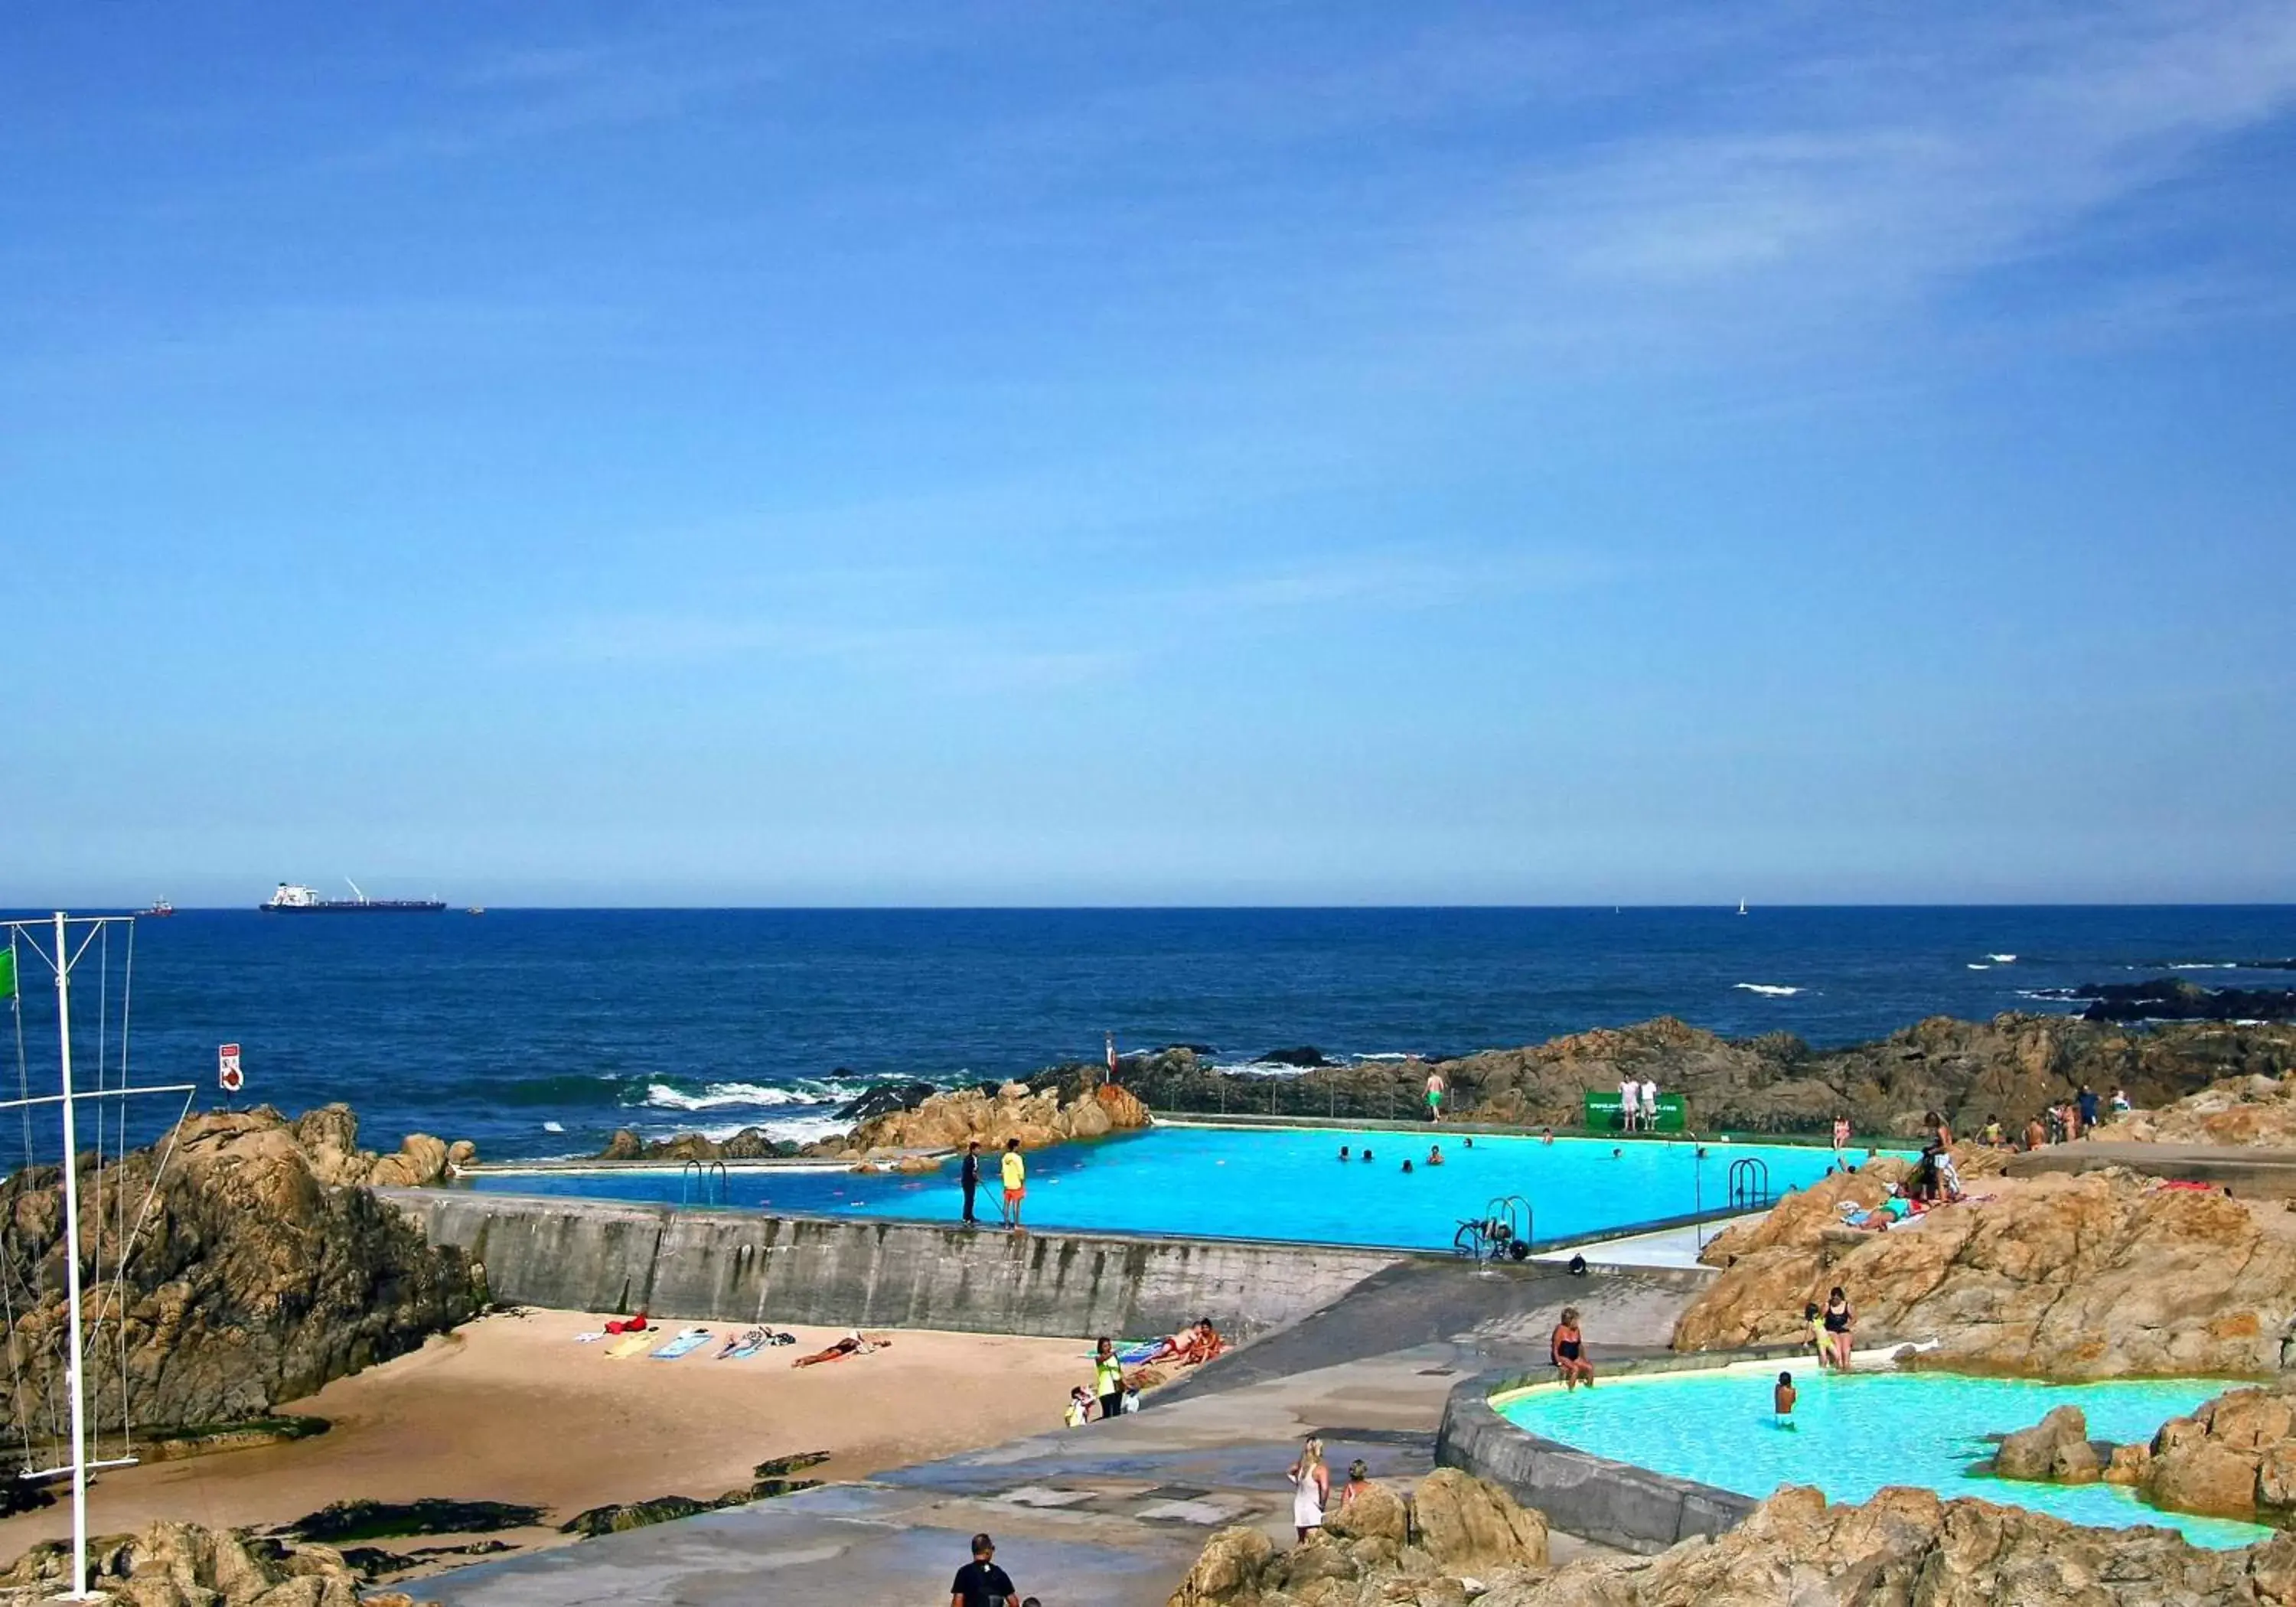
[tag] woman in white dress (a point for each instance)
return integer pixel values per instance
(1311, 1486)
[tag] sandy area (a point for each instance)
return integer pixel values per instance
(510, 1408)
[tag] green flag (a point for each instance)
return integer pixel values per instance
(7, 973)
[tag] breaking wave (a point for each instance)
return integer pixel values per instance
(1767, 989)
(718, 1096)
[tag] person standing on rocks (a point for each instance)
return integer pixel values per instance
(1434, 1097)
(969, 1179)
(2088, 1109)
(1650, 1105)
(1311, 1486)
(1630, 1095)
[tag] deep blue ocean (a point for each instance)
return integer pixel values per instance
(537, 1032)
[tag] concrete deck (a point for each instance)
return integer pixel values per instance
(1110, 1515)
(1673, 1249)
(2269, 1173)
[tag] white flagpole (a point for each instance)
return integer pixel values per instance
(79, 1590)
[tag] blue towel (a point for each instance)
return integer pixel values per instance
(1132, 1356)
(683, 1344)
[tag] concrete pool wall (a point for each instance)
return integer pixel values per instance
(1615, 1502)
(738, 1265)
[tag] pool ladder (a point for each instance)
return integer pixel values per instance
(1503, 1232)
(708, 1179)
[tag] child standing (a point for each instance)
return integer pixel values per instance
(1781, 1400)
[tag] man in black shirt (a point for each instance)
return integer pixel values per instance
(970, 1178)
(980, 1583)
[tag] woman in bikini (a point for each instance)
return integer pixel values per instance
(1568, 1348)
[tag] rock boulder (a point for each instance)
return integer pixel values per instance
(256, 1277)
(1471, 1526)
(2055, 1448)
(2235, 1457)
(1906, 1547)
(184, 1565)
(2100, 1275)
(2246, 1111)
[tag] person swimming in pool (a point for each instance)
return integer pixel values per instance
(1781, 1400)
(1343, 1153)
(1615, 1153)
(1468, 1143)
(1435, 1154)
(1406, 1163)
(1547, 1134)
(1367, 1152)
(1568, 1349)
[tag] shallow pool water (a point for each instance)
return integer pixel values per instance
(1854, 1434)
(1283, 1182)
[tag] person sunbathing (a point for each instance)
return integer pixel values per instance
(855, 1343)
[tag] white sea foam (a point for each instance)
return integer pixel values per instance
(2202, 965)
(1767, 989)
(714, 1096)
(1973, 965)
(796, 1129)
(1261, 1068)
(553, 1126)
(2003, 959)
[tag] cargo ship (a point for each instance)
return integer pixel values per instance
(292, 900)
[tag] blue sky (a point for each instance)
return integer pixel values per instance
(1255, 453)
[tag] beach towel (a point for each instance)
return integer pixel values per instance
(591, 1337)
(1132, 1356)
(627, 1324)
(628, 1345)
(685, 1344)
(747, 1344)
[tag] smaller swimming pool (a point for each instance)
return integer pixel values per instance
(1259, 1183)
(1854, 1434)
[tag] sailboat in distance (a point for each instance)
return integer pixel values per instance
(1741, 907)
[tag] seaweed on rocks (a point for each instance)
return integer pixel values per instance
(393, 1519)
(767, 1480)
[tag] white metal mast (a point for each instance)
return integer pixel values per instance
(72, 1367)
(75, 1375)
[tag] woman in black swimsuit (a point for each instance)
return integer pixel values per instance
(1839, 1319)
(1568, 1346)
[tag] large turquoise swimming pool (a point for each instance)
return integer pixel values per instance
(1855, 1433)
(1283, 1183)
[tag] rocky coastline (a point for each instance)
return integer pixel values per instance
(2103, 1275)
(1456, 1540)
(264, 1268)
(2012, 1066)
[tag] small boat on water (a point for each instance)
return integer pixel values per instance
(1741, 907)
(476, 909)
(160, 907)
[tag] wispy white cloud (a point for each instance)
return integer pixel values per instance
(1820, 203)
(949, 658)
